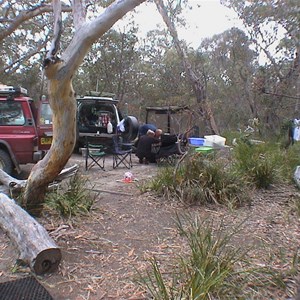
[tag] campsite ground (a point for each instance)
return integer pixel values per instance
(103, 252)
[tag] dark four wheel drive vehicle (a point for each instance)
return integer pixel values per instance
(98, 117)
(25, 128)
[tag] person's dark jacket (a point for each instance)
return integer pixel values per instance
(145, 127)
(144, 148)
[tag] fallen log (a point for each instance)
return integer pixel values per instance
(67, 172)
(12, 186)
(36, 248)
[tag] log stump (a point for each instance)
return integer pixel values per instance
(36, 248)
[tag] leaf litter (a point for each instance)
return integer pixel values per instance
(103, 251)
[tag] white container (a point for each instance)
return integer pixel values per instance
(208, 143)
(109, 127)
(211, 140)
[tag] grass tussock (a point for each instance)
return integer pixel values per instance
(213, 268)
(265, 164)
(201, 179)
(72, 199)
(257, 164)
(213, 179)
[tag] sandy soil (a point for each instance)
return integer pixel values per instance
(103, 251)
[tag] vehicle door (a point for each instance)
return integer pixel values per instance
(18, 131)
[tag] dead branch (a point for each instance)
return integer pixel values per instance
(36, 248)
(12, 186)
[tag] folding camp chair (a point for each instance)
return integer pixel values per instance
(95, 153)
(121, 153)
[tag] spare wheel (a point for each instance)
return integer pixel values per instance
(131, 125)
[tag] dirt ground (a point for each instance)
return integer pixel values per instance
(103, 251)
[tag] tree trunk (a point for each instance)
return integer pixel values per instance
(63, 104)
(59, 73)
(197, 86)
(36, 248)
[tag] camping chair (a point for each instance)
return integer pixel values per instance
(169, 154)
(95, 152)
(121, 153)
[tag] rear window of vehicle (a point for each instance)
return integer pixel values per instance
(46, 114)
(96, 114)
(11, 113)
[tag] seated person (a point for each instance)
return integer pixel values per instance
(144, 147)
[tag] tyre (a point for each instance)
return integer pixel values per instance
(182, 144)
(5, 162)
(131, 125)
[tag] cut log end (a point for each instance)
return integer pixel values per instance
(36, 248)
(47, 261)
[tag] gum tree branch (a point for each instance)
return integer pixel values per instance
(24, 16)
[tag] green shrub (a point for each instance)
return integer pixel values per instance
(290, 160)
(72, 199)
(205, 179)
(261, 164)
(201, 179)
(267, 163)
(163, 182)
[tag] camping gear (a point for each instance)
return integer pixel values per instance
(196, 141)
(214, 140)
(204, 149)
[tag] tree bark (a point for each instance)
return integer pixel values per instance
(27, 15)
(197, 86)
(63, 105)
(36, 248)
(11, 185)
(59, 72)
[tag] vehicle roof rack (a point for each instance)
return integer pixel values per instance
(12, 90)
(100, 94)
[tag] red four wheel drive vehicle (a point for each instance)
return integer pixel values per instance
(25, 128)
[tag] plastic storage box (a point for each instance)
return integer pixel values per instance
(204, 149)
(211, 140)
(196, 142)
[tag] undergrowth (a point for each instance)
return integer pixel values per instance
(208, 178)
(266, 163)
(72, 199)
(212, 268)
(201, 179)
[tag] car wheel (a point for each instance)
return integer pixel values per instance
(131, 125)
(182, 144)
(5, 162)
